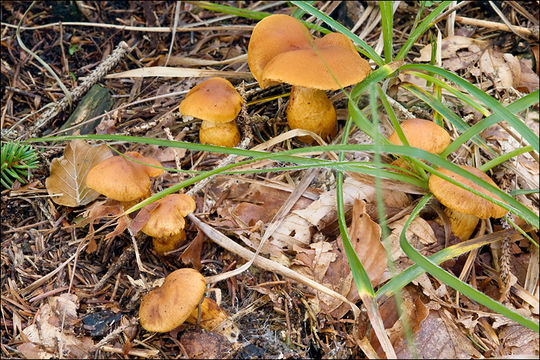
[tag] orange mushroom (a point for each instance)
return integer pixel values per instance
(217, 103)
(282, 50)
(464, 208)
(422, 134)
(167, 307)
(166, 222)
(121, 179)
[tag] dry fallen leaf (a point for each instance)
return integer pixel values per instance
(327, 263)
(52, 329)
(503, 69)
(205, 345)
(68, 173)
(457, 52)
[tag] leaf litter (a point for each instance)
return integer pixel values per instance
(283, 324)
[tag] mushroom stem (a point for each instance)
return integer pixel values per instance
(462, 225)
(310, 109)
(165, 244)
(220, 134)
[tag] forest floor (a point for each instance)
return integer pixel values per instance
(71, 281)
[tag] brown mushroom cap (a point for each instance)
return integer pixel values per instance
(221, 134)
(331, 63)
(215, 100)
(167, 307)
(273, 35)
(423, 134)
(121, 179)
(456, 198)
(167, 218)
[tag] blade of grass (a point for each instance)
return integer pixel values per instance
(360, 276)
(248, 14)
(488, 101)
(382, 213)
(451, 280)
(387, 23)
(414, 271)
(504, 157)
(415, 154)
(515, 107)
(463, 97)
(422, 28)
(399, 131)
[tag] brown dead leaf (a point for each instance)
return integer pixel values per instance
(327, 263)
(53, 328)
(192, 254)
(457, 52)
(535, 50)
(518, 340)
(68, 173)
(365, 237)
(205, 345)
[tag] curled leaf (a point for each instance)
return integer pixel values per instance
(67, 180)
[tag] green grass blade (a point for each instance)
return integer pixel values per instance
(463, 97)
(414, 271)
(374, 77)
(488, 101)
(289, 156)
(504, 157)
(361, 279)
(451, 280)
(387, 22)
(515, 107)
(365, 49)
(422, 28)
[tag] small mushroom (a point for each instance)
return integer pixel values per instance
(464, 208)
(217, 103)
(121, 179)
(422, 134)
(167, 307)
(209, 315)
(166, 222)
(281, 50)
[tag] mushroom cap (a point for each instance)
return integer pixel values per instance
(340, 66)
(215, 100)
(456, 198)
(167, 218)
(310, 109)
(167, 307)
(273, 35)
(121, 179)
(220, 134)
(423, 134)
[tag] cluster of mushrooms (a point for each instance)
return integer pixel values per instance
(281, 50)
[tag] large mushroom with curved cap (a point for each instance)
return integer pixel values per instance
(166, 222)
(281, 50)
(124, 180)
(464, 208)
(217, 103)
(422, 134)
(167, 307)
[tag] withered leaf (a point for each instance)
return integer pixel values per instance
(365, 236)
(68, 173)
